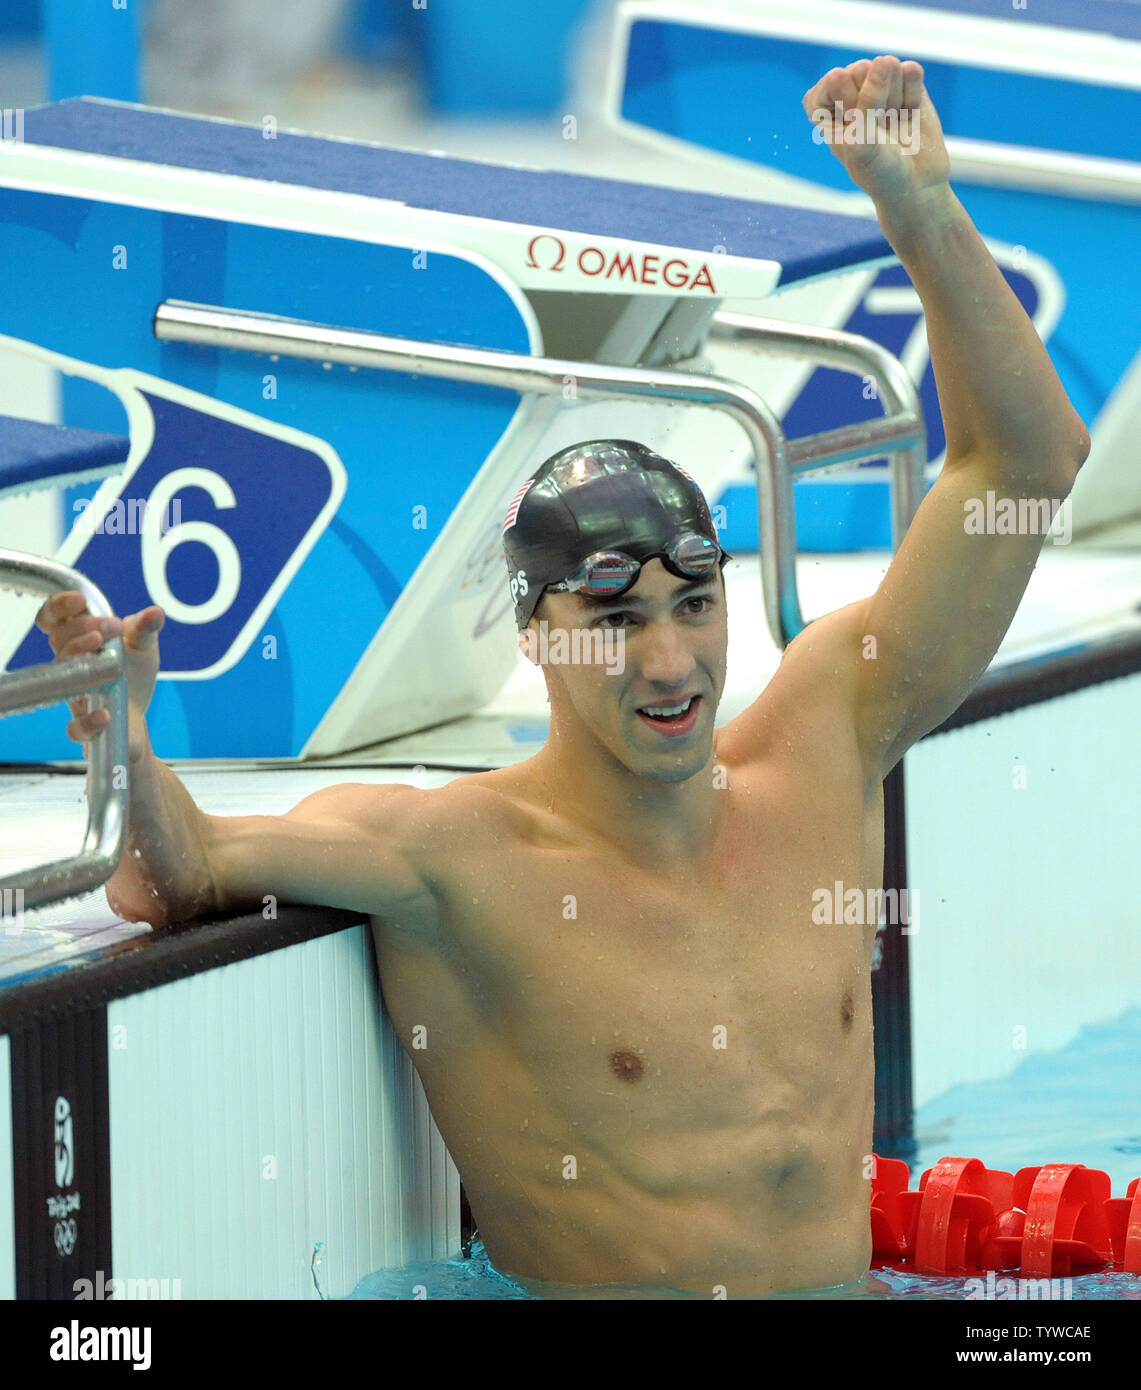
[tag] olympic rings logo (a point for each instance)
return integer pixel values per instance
(66, 1234)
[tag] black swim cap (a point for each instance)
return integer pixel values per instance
(604, 494)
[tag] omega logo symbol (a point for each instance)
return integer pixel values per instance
(557, 264)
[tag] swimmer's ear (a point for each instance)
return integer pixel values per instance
(529, 645)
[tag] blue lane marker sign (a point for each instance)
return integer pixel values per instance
(212, 515)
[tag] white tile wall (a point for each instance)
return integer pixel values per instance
(1030, 898)
(261, 1108)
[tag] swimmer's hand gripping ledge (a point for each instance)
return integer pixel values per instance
(101, 675)
(340, 847)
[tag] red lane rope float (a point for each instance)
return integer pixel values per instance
(894, 1211)
(1124, 1217)
(1065, 1218)
(1052, 1220)
(960, 1198)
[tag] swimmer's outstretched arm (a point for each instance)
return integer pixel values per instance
(354, 846)
(915, 648)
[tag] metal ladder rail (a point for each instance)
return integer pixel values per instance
(102, 676)
(777, 458)
(847, 352)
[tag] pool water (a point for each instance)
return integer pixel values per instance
(477, 1278)
(1081, 1104)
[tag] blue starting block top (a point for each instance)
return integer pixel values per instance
(34, 455)
(1121, 18)
(804, 243)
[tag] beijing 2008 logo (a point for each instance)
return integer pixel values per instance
(65, 1232)
(64, 1152)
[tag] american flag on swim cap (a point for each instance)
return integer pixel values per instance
(513, 509)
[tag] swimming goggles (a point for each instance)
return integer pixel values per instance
(608, 573)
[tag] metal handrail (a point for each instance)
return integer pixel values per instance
(903, 424)
(181, 322)
(47, 682)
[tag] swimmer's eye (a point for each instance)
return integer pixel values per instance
(608, 619)
(620, 618)
(707, 599)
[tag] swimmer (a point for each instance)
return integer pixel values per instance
(652, 1068)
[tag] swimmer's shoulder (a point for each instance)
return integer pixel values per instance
(486, 814)
(507, 803)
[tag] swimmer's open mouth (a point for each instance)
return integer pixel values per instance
(676, 718)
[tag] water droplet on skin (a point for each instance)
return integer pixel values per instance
(137, 853)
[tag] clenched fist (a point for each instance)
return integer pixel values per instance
(879, 122)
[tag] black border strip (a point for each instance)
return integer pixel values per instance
(65, 1057)
(1032, 682)
(893, 1132)
(160, 957)
(468, 1228)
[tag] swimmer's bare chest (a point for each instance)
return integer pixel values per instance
(611, 1052)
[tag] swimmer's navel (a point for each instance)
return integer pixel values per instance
(847, 1010)
(627, 1066)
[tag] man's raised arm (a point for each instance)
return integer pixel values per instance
(916, 647)
(347, 846)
